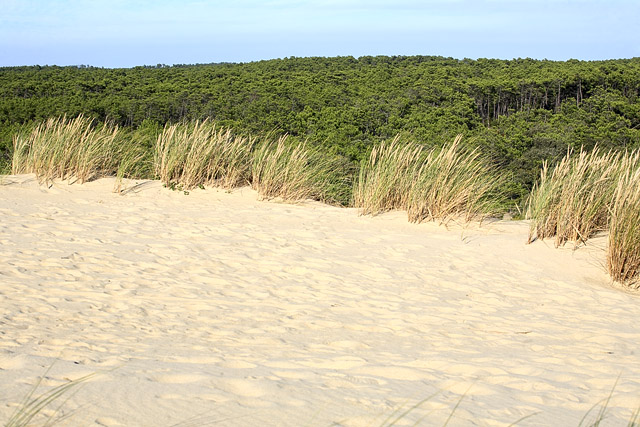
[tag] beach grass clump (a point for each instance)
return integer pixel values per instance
(292, 171)
(454, 182)
(387, 176)
(589, 193)
(134, 163)
(65, 148)
(430, 184)
(571, 202)
(623, 253)
(138, 160)
(201, 153)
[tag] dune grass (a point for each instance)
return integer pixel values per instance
(137, 161)
(582, 195)
(133, 164)
(68, 149)
(454, 182)
(293, 171)
(201, 153)
(623, 251)
(387, 176)
(571, 202)
(590, 193)
(438, 184)
(594, 417)
(32, 405)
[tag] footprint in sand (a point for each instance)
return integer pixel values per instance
(359, 380)
(238, 364)
(244, 387)
(393, 373)
(8, 361)
(178, 378)
(347, 362)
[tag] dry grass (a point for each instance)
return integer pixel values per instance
(293, 171)
(33, 405)
(571, 203)
(134, 163)
(436, 184)
(623, 254)
(200, 153)
(386, 178)
(454, 182)
(583, 194)
(68, 148)
(589, 193)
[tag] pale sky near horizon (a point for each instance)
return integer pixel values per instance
(126, 33)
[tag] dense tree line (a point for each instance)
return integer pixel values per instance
(520, 112)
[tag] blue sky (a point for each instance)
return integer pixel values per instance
(126, 33)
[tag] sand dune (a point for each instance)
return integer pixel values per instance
(217, 307)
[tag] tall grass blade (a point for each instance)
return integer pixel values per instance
(31, 405)
(396, 415)
(603, 409)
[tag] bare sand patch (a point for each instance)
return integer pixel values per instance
(218, 307)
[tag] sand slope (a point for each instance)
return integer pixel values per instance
(218, 308)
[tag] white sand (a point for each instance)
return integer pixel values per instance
(220, 308)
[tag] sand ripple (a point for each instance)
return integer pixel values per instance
(219, 308)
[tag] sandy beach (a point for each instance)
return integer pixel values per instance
(218, 308)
